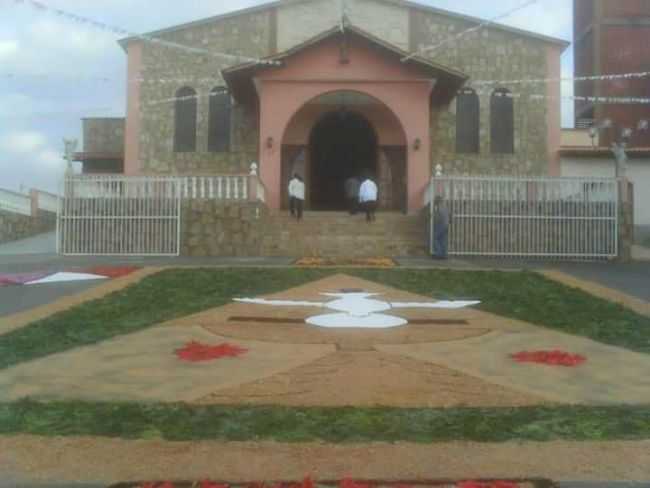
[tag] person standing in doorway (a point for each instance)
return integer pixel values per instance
(352, 185)
(368, 197)
(296, 196)
(440, 228)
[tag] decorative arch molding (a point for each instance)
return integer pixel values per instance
(281, 100)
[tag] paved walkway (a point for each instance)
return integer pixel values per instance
(40, 244)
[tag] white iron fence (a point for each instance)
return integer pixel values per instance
(186, 187)
(122, 215)
(559, 218)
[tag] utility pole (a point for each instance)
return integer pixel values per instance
(70, 146)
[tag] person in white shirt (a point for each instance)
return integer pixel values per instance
(368, 198)
(296, 196)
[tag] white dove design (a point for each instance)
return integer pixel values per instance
(359, 310)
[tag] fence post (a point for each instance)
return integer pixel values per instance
(252, 183)
(33, 196)
(626, 220)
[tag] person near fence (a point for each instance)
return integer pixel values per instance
(368, 197)
(296, 196)
(440, 228)
(352, 185)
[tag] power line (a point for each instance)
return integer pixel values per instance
(458, 36)
(120, 31)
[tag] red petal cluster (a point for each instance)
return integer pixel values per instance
(210, 484)
(553, 358)
(348, 483)
(195, 352)
(490, 484)
(112, 271)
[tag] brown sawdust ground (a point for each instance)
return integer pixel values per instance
(111, 460)
(371, 378)
(357, 375)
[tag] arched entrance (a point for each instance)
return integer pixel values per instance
(341, 134)
(342, 144)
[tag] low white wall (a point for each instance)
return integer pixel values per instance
(15, 202)
(638, 172)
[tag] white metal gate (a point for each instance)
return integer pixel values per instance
(559, 218)
(117, 215)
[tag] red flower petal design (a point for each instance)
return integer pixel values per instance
(210, 484)
(195, 352)
(553, 358)
(348, 483)
(308, 483)
(112, 271)
(494, 484)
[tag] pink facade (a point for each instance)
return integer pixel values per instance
(132, 132)
(403, 90)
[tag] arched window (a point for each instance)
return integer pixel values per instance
(502, 122)
(467, 121)
(219, 120)
(185, 120)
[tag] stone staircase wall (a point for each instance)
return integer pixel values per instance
(336, 234)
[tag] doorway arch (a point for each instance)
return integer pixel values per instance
(345, 133)
(342, 144)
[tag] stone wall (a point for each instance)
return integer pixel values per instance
(300, 21)
(246, 35)
(214, 228)
(15, 226)
(103, 135)
(487, 54)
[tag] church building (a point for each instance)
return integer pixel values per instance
(330, 89)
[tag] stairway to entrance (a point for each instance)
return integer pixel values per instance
(338, 234)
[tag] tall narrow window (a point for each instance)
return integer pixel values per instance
(185, 120)
(467, 121)
(502, 122)
(219, 121)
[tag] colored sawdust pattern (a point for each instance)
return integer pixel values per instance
(345, 483)
(112, 271)
(195, 352)
(466, 362)
(550, 358)
(371, 379)
(108, 461)
(380, 262)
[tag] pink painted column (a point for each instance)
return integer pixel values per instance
(132, 130)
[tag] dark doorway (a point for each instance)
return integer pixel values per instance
(342, 144)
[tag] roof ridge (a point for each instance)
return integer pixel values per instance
(406, 3)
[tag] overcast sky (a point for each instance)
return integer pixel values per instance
(47, 64)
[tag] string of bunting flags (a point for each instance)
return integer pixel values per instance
(532, 96)
(123, 32)
(214, 79)
(608, 77)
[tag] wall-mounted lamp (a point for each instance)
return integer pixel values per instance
(269, 142)
(416, 144)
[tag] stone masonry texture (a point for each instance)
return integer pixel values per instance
(15, 226)
(489, 53)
